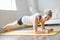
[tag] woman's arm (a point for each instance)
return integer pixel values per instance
(35, 24)
(43, 25)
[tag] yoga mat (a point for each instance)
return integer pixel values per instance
(29, 32)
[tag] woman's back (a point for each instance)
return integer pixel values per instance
(28, 20)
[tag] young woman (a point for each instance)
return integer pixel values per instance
(30, 20)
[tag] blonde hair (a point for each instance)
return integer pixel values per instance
(48, 12)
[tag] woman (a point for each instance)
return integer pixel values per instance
(30, 20)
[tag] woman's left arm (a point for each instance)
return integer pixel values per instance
(43, 25)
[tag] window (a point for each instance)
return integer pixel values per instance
(8, 5)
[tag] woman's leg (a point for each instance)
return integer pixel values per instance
(9, 26)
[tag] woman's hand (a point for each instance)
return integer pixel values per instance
(48, 30)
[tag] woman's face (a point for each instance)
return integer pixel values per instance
(47, 17)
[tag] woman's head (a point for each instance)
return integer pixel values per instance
(48, 15)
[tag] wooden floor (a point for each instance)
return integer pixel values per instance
(32, 37)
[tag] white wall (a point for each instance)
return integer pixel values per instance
(33, 6)
(48, 4)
